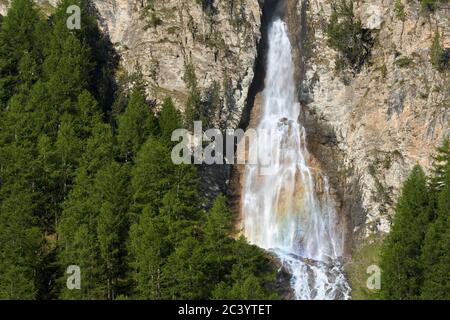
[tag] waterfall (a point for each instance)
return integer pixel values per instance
(286, 204)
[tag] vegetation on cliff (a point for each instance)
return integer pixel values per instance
(415, 257)
(439, 57)
(346, 35)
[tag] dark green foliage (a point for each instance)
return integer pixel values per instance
(415, 257)
(435, 252)
(111, 184)
(401, 257)
(80, 185)
(201, 106)
(152, 176)
(81, 237)
(346, 35)
(249, 274)
(440, 166)
(436, 257)
(169, 120)
(20, 239)
(195, 260)
(20, 36)
(431, 4)
(135, 124)
(195, 110)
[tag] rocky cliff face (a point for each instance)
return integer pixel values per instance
(367, 131)
(370, 130)
(218, 38)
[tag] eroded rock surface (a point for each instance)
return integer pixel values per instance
(220, 42)
(370, 132)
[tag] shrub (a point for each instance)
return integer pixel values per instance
(439, 57)
(347, 36)
(431, 4)
(404, 62)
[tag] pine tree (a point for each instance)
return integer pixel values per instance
(435, 251)
(78, 228)
(248, 275)
(104, 58)
(219, 246)
(219, 221)
(20, 239)
(112, 185)
(135, 125)
(149, 247)
(19, 47)
(169, 120)
(87, 115)
(440, 163)
(52, 146)
(68, 151)
(152, 175)
(438, 57)
(70, 189)
(401, 257)
(193, 110)
(162, 213)
(246, 288)
(184, 272)
(194, 106)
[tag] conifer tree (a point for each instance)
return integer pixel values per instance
(248, 275)
(435, 251)
(401, 258)
(152, 175)
(149, 246)
(165, 209)
(72, 192)
(219, 221)
(185, 273)
(20, 239)
(79, 228)
(169, 120)
(19, 47)
(194, 106)
(440, 164)
(112, 223)
(135, 125)
(87, 115)
(438, 56)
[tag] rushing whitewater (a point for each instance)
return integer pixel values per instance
(286, 205)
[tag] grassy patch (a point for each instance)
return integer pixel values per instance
(399, 9)
(367, 255)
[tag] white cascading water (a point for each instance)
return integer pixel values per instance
(286, 206)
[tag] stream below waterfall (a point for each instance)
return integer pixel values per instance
(286, 205)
